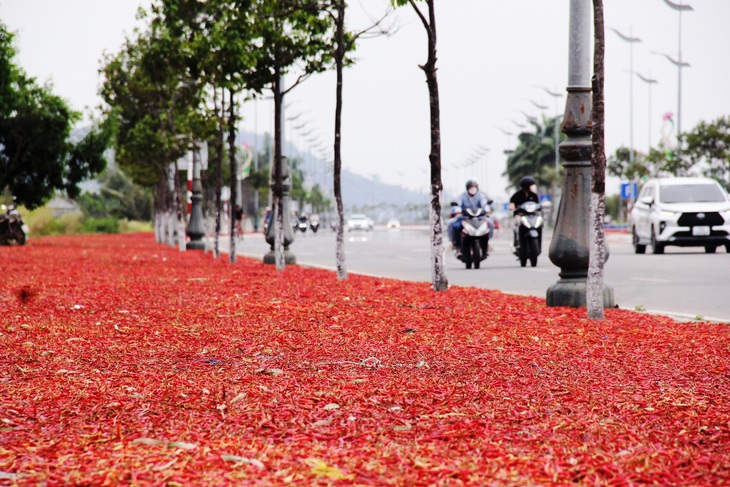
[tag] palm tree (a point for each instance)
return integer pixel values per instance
(535, 154)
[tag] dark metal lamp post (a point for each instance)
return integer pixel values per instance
(570, 246)
(195, 226)
(288, 234)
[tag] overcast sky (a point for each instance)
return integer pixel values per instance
(493, 57)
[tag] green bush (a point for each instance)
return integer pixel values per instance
(134, 226)
(101, 225)
(41, 222)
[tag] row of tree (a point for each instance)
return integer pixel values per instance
(705, 150)
(183, 78)
(38, 155)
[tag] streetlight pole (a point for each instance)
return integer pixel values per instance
(280, 238)
(195, 225)
(649, 81)
(679, 7)
(570, 245)
(556, 133)
(631, 40)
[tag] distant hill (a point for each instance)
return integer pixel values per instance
(357, 191)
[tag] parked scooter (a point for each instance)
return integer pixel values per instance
(12, 228)
(474, 237)
(314, 223)
(529, 232)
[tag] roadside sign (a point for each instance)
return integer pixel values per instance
(629, 191)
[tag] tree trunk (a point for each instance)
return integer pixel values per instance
(277, 201)
(160, 205)
(234, 175)
(594, 284)
(438, 257)
(218, 175)
(339, 60)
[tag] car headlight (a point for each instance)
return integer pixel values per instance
(726, 214)
(667, 214)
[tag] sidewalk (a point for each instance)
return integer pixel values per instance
(128, 362)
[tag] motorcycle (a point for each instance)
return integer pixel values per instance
(529, 232)
(314, 223)
(474, 237)
(301, 224)
(12, 228)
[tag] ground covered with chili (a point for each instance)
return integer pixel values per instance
(127, 362)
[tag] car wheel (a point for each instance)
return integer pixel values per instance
(656, 247)
(710, 249)
(638, 248)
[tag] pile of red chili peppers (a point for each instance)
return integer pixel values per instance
(126, 362)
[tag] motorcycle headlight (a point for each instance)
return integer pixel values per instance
(538, 222)
(524, 221)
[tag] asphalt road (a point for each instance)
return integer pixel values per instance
(684, 283)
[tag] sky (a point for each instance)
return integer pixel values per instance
(495, 61)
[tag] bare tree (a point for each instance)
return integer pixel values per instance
(594, 283)
(438, 257)
(344, 42)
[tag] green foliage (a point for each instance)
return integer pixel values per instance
(709, 144)
(535, 154)
(621, 166)
(41, 222)
(706, 150)
(118, 197)
(152, 99)
(36, 155)
(317, 199)
(101, 225)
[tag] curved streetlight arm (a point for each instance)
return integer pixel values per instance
(625, 37)
(678, 6)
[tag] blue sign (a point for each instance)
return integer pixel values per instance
(629, 191)
(544, 198)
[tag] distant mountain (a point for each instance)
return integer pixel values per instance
(357, 191)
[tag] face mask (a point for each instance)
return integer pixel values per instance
(472, 191)
(533, 188)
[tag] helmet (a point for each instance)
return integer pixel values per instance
(471, 183)
(526, 182)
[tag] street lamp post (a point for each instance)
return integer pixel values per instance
(280, 181)
(679, 7)
(556, 133)
(631, 40)
(569, 248)
(649, 81)
(195, 225)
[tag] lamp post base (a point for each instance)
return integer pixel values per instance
(195, 245)
(289, 258)
(572, 293)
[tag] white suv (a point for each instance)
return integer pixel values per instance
(687, 212)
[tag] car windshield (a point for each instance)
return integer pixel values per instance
(691, 193)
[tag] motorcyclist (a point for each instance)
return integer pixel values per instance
(454, 216)
(527, 192)
(471, 199)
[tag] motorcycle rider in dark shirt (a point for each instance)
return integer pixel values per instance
(527, 192)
